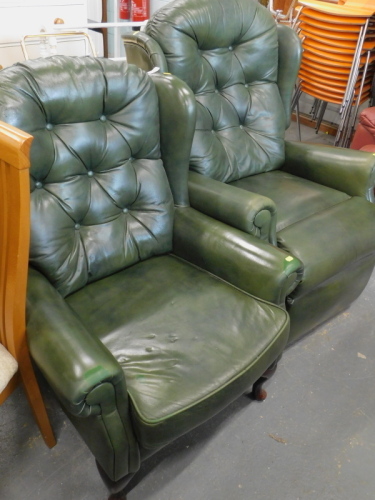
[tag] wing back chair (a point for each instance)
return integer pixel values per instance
(139, 308)
(242, 68)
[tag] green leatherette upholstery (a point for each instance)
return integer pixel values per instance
(165, 362)
(253, 213)
(232, 70)
(249, 263)
(347, 170)
(135, 312)
(144, 52)
(309, 200)
(296, 198)
(94, 149)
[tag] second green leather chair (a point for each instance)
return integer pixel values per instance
(311, 201)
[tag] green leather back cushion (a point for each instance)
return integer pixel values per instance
(227, 52)
(100, 198)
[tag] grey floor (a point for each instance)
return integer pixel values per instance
(312, 438)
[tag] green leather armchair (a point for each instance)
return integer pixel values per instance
(311, 201)
(141, 311)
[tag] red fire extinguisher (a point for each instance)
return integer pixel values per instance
(140, 10)
(124, 10)
(135, 10)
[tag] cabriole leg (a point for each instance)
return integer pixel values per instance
(259, 393)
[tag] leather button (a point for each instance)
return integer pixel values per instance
(49, 126)
(125, 210)
(230, 47)
(38, 185)
(246, 86)
(77, 226)
(90, 173)
(241, 127)
(103, 118)
(212, 131)
(216, 91)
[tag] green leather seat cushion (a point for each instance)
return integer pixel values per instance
(306, 208)
(343, 236)
(295, 198)
(198, 345)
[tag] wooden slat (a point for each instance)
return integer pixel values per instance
(14, 256)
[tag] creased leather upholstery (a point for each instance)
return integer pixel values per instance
(81, 157)
(165, 362)
(232, 71)
(296, 198)
(139, 344)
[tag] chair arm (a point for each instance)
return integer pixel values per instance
(250, 212)
(347, 170)
(241, 259)
(144, 52)
(73, 361)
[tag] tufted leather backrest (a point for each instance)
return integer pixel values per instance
(100, 199)
(227, 52)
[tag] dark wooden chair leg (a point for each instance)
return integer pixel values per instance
(115, 488)
(259, 393)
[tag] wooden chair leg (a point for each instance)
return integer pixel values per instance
(35, 399)
(259, 393)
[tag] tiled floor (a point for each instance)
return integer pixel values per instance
(312, 439)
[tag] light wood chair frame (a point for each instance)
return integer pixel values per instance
(14, 257)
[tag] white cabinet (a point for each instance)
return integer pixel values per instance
(24, 17)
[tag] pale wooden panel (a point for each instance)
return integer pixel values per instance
(14, 256)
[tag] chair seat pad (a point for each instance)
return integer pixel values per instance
(188, 343)
(326, 229)
(295, 198)
(331, 241)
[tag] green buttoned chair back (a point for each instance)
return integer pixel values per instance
(227, 53)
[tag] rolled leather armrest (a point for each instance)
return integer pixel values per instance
(243, 260)
(347, 170)
(73, 361)
(253, 213)
(144, 52)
